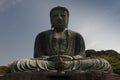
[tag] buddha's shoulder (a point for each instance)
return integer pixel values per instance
(73, 32)
(44, 32)
(48, 32)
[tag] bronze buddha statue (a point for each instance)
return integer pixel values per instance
(60, 49)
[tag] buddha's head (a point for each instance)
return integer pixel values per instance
(59, 17)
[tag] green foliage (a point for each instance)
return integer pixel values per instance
(3, 69)
(111, 56)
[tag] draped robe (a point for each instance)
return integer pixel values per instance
(74, 50)
(43, 42)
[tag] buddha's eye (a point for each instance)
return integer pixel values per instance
(55, 15)
(63, 15)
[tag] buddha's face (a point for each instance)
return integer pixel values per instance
(59, 19)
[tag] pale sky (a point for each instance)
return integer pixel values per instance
(98, 21)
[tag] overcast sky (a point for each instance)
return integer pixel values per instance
(98, 21)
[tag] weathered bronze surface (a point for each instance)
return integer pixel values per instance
(60, 49)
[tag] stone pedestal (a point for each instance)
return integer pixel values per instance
(60, 76)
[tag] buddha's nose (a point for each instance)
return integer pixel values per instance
(59, 17)
(59, 20)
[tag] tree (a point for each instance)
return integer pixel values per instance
(4, 69)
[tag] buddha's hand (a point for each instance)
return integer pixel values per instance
(63, 57)
(59, 64)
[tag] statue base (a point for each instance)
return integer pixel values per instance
(93, 75)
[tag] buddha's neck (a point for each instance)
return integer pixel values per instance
(59, 30)
(59, 34)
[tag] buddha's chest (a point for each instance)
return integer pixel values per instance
(59, 43)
